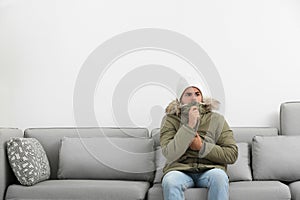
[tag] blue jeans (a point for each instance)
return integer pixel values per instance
(175, 183)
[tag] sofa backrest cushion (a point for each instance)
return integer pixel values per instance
(160, 161)
(155, 134)
(289, 118)
(50, 138)
(241, 170)
(276, 158)
(106, 158)
(246, 134)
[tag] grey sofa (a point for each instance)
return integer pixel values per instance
(267, 167)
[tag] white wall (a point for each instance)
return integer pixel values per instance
(43, 45)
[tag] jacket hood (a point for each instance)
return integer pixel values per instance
(206, 106)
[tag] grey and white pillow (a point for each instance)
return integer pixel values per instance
(28, 160)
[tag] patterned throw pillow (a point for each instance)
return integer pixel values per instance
(28, 160)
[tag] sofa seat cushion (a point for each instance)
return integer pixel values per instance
(80, 189)
(195, 193)
(156, 193)
(295, 190)
(246, 190)
(259, 190)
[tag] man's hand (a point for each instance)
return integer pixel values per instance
(197, 143)
(194, 116)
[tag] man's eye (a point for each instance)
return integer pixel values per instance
(188, 94)
(197, 94)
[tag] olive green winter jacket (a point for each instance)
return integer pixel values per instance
(218, 148)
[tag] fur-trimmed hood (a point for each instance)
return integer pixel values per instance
(207, 105)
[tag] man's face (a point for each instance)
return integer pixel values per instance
(190, 95)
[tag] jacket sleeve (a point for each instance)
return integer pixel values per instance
(221, 149)
(174, 143)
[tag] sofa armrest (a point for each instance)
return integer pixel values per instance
(6, 175)
(289, 118)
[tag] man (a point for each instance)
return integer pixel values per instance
(198, 144)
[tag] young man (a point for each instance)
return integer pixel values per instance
(198, 144)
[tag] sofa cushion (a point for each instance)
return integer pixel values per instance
(155, 134)
(106, 158)
(240, 170)
(259, 190)
(156, 193)
(28, 160)
(160, 161)
(289, 118)
(274, 158)
(246, 134)
(80, 189)
(195, 193)
(295, 190)
(50, 138)
(246, 190)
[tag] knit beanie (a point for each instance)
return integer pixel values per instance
(183, 84)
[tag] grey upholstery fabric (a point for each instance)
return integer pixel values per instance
(107, 158)
(259, 190)
(155, 134)
(6, 175)
(240, 170)
(276, 158)
(195, 193)
(80, 189)
(245, 134)
(295, 190)
(50, 138)
(243, 190)
(106, 189)
(289, 118)
(155, 192)
(159, 164)
(28, 160)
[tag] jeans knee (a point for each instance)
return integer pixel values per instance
(169, 182)
(219, 176)
(176, 180)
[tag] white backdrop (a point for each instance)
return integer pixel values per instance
(254, 45)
